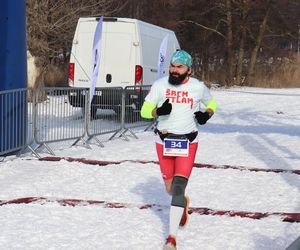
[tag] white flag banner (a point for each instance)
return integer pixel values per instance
(96, 57)
(162, 57)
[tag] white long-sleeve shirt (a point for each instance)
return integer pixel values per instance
(185, 99)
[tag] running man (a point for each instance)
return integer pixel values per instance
(176, 102)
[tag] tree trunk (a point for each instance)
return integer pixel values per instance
(239, 70)
(249, 79)
(229, 77)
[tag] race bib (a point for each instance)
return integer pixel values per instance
(176, 147)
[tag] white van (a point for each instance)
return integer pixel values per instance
(129, 52)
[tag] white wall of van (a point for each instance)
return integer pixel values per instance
(129, 48)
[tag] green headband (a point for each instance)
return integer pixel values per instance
(183, 57)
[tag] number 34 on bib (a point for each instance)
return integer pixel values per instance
(176, 147)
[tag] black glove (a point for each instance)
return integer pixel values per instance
(202, 117)
(165, 109)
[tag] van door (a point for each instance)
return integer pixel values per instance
(118, 54)
(82, 52)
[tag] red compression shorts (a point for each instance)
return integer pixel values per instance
(176, 165)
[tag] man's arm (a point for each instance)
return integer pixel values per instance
(211, 107)
(203, 117)
(148, 110)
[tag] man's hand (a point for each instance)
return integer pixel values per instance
(165, 109)
(203, 117)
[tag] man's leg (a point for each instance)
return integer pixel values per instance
(175, 186)
(168, 185)
(184, 166)
(167, 166)
(177, 207)
(177, 204)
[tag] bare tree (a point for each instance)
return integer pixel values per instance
(244, 7)
(50, 29)
(51, 23)
(258, 39)
(226, 37)
(229, 43)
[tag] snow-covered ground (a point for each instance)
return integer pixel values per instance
(253, 128)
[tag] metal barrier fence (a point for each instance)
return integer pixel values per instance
(133, 97)
(59, 114)
(105, 113)
(119, 108)
(30, 120)
(13, 120)
(55, 119)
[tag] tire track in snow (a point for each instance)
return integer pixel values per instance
(197, 165)
(286, 217)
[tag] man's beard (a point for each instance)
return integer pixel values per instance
(176, 79)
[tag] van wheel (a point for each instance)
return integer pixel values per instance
(83, 112)
(132, 115)
(93, 112)
(118, 111)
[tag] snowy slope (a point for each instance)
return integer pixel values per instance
(253, 128)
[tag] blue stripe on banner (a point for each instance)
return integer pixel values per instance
(162, 57)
